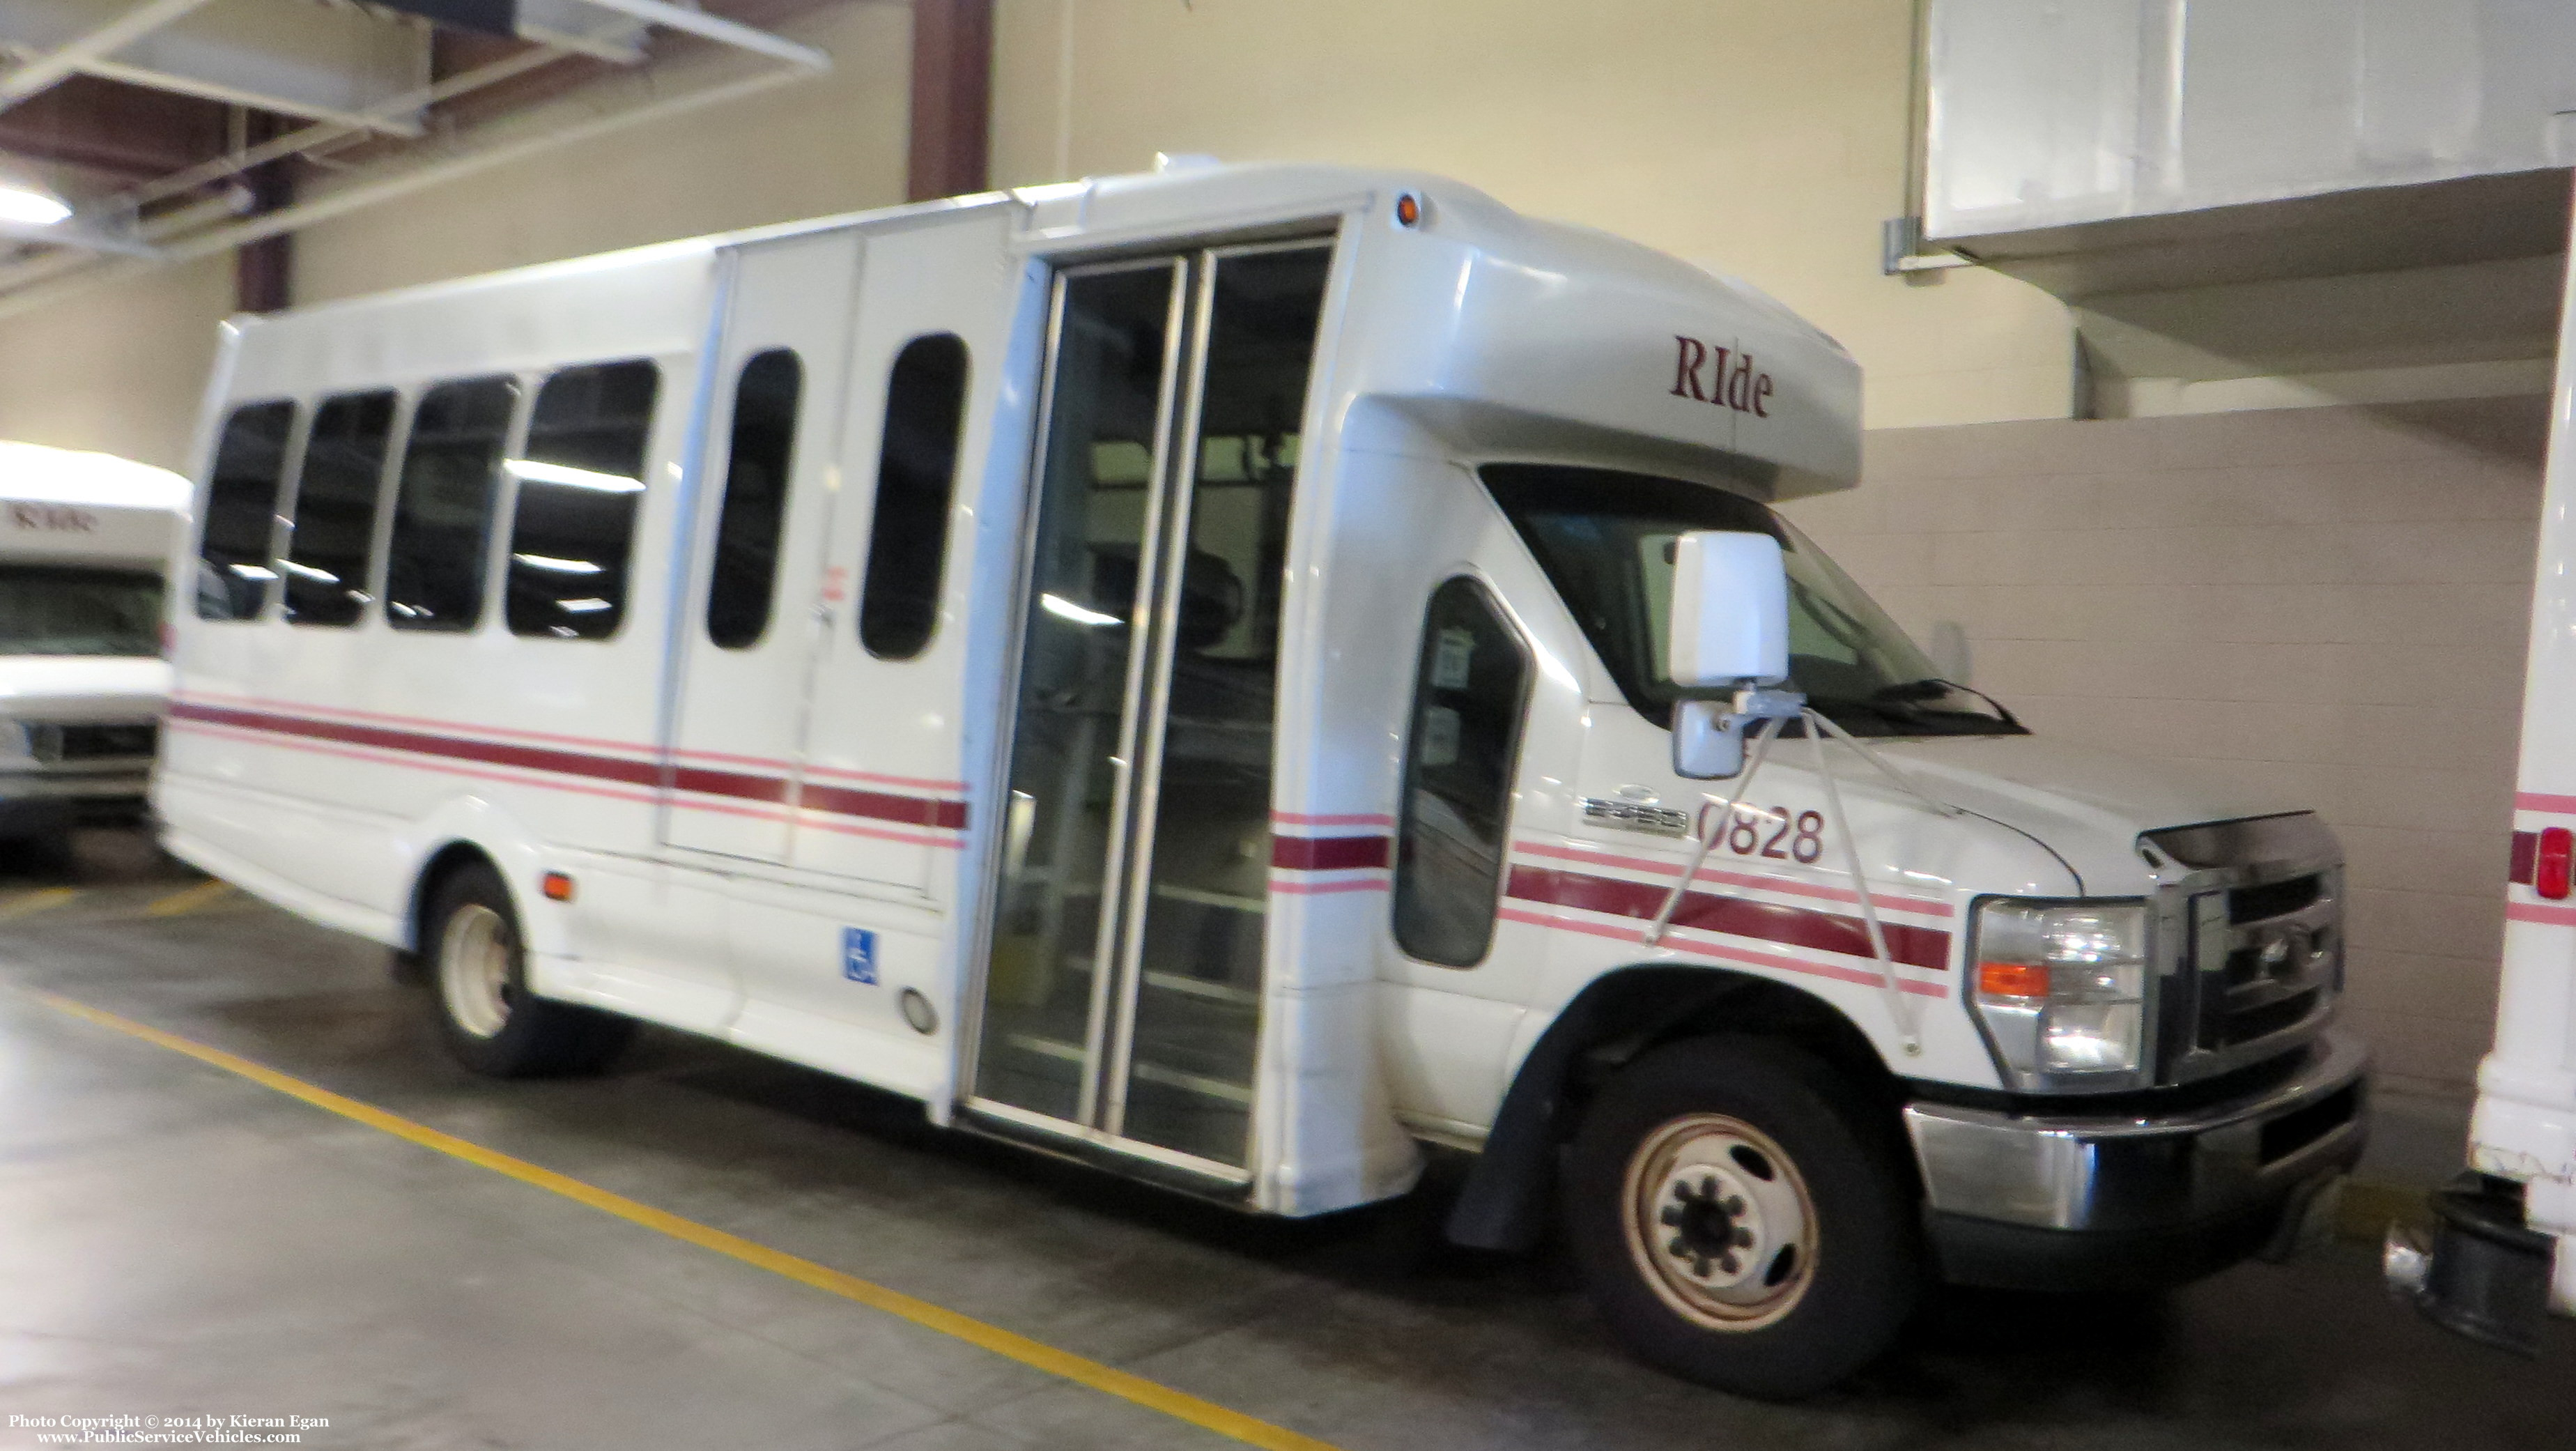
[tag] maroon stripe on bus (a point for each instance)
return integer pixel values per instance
(421, 743)
(1327, 853)
(885, 806)
(834, 800)
(1710, 912)
(729, 783)
(2526, 855)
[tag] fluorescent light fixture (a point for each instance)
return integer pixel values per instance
(556, 566)
(572, 478)
(309, 572)
(1065, 609)
(583, 607)
(253, 571)
(29, 206)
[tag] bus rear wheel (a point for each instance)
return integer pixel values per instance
(1740, 1220)
(490, 1021)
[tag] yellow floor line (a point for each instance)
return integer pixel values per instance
(1075, 1368)
(43, 900)
(203, 894)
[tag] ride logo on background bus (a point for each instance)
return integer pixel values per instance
(1211, 674)
(84, 538)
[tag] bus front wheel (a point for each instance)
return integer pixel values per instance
(1739, 1221)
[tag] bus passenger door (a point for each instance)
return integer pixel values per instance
(747, 627)
(1122, 1000)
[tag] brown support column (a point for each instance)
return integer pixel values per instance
(952, 95)
(264, 271)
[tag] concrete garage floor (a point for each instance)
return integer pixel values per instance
(177, 1239)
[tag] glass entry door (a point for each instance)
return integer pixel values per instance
(1122, 994)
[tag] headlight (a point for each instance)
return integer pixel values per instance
(2062, 990)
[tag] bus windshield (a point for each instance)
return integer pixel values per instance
(68, 610)
(1604, 537)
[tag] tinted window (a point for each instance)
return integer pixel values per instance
(1469, 691)
(331, 543)
(241, 511)
(579, 486)
(443, 509)
(916, 473)
(755, 498)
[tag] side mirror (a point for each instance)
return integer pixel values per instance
(1730, 612)
(1729, 628)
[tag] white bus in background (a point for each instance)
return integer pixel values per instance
(84, 541)
(2502, 1256)
(1183, 672)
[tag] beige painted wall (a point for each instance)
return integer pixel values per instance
(2332, 601)
(1765, 139)
(118, 369)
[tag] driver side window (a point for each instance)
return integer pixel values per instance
(1470, 694)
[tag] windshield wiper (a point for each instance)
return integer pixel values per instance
(1933, 687)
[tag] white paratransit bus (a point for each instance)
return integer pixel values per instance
(84, 538)
(2503, 1253)
(1178, 671)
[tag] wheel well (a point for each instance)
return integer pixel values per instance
(1620, 1015)
(443, 863)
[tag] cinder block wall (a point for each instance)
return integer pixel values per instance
(2329, 599)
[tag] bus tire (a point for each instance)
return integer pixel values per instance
(1742, 1217)
(490, 1021)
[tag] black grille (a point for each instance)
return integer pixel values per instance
(2264, 957)
(2272, 899)
(92, 742)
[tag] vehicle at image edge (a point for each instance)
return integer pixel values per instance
(2502, 1255)
(84, 538)
(1175, 671)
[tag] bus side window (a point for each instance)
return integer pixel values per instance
(1470, 692)
(579, 489)
(745, 577)
(233, 568)
(443, 506)
(916, 479)
(331, 531)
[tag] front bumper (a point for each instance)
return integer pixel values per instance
(2022, 1201)
(42, 802)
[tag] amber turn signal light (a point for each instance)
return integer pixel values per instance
(556, 886)
(2012, 980)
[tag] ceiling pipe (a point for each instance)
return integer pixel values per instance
(727, 32)
(231, 202)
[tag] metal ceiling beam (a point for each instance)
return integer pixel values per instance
(952, 97)
(125, 131)
(88, 49)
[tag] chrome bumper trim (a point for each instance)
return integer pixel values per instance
(2097, 1173)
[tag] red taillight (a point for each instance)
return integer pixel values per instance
(2551, 865)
